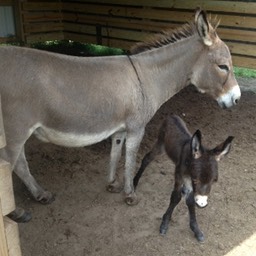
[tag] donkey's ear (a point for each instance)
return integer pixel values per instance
(196, 148)
(203, 27)
(223, 149)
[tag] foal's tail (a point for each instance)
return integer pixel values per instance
(148, 158)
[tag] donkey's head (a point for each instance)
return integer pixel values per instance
(213, 70)
(204, 166)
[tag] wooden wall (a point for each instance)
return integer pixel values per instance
(120, 23)
(41, 21)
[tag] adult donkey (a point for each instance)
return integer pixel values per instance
(75, 102)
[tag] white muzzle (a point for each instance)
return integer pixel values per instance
(201, 201)
(231, 98)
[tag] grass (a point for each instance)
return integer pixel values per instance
(245, 72)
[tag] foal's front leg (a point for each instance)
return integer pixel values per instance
(190, 201)
(114, 184)
(175, 199)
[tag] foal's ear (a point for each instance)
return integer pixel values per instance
(196, 148)
(204, 28)
(223, 149)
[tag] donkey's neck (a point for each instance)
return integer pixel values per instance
(165, 71)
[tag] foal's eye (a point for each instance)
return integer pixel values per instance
(223, 68)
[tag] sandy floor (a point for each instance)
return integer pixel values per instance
(86, 220)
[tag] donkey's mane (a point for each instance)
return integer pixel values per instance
(165, 37)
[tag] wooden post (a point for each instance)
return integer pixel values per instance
(3, 242)
(9, 233)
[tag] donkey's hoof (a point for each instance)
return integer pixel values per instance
(131, 199)
(114, 187)
(19, 215)
(45, 198)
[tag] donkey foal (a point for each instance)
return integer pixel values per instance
(195, 172)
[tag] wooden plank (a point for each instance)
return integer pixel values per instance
(217, 6)
(78, 28)
(41, 17)
(106, 32)
(242, 49)
(237, 34)
(157, 14)
(224, 33)
(117, 22)
(3, 241)
(243, 61)
(43, 27)
(12, 237)
(111, 42)
(6, 188)
(41, 6)
(44, 37)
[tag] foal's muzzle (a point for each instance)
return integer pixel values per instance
(201, 201)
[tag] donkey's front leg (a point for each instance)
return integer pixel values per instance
(133, 141)
(114, 184)
(190, 201)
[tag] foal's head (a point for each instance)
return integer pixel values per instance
(204, 167)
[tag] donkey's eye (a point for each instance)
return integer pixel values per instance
(223, 68)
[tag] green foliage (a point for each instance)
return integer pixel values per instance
(77, 49)
(245, 72)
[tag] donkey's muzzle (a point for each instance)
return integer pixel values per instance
(230, 98)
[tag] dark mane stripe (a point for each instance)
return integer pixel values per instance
(165, 37)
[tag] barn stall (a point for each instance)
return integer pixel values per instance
(118, 24)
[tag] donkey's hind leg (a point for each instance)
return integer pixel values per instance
(114, 184)
(22, 170)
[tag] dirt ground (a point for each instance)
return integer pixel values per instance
(86, 220)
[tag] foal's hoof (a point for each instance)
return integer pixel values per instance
(200, 237)
(45, 198)
(163, 229)
(131, 199)
(19, 215)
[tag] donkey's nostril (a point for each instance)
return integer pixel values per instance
(236, 101)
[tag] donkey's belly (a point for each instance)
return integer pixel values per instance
(69, 139)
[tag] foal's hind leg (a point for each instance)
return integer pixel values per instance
(22, 170)
(114, 184)
(148, 158)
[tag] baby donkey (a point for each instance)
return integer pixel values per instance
(195, 172)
